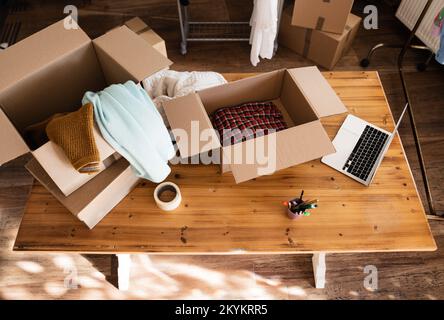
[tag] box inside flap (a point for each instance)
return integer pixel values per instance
(56, 88)
(12, 143)
(283, 149)
(35, 52)
(243, 90)
(125, 56)
(323, 99)
(43, 66)
(191, 125)
(295, 103)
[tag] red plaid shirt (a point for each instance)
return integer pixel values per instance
(250, 119)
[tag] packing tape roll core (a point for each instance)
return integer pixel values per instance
(171, 205)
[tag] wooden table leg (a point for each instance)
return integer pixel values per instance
(319, 269)
(123, 271)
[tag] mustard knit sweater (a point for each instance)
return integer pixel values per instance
(74, 134)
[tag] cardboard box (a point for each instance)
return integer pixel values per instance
(48, 73)
(303, 96)
(145, 32)
(322, 15)
(323, 48)
(52, 158)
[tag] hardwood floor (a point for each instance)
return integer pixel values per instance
(401, 276)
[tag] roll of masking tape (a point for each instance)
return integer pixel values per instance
(170, 205)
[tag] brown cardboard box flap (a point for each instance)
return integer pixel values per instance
(12, 144)
(352, 21)
(187, 115)
(293, 146)
(137, 25)
(136, 58)
(35, 52)
(312, 83)
(323, 15)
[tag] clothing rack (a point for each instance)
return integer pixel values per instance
(194, 31)
(411, 114)
(405, 47)
(409, 12)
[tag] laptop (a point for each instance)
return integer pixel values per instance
(360, 148)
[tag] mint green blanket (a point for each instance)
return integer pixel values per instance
(131, 124)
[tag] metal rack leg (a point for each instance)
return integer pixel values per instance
(366, 61)
(424, 65)
(280, 8)
(183, 31)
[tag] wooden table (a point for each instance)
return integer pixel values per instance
(219, 217)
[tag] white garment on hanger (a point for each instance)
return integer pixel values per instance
(263, 24)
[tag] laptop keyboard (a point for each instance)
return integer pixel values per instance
(365, 153)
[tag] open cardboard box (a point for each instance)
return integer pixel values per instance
(303, 96)
(52, 158)
(48, 73)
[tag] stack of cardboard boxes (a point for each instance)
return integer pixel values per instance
(320, 30)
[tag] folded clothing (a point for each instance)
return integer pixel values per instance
(73, 132)
(247, 121)
(169, 84)
(131, 124)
